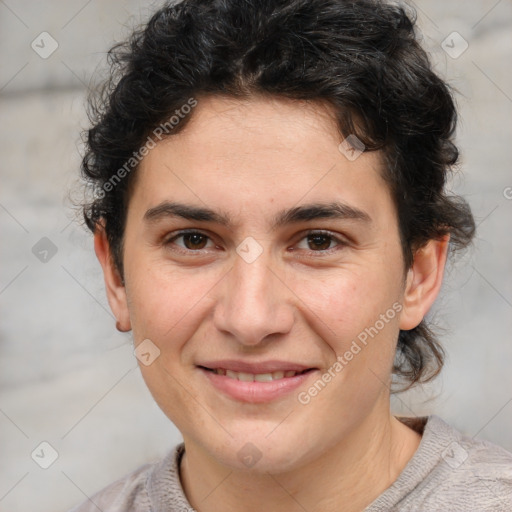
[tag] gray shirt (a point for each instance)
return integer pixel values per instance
(448, 472)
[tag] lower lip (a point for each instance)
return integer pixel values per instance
(256, 392)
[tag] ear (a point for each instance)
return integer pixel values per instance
(423, 283)
(116, 291)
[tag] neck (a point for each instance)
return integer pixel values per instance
(348, 477)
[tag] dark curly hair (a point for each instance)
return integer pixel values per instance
(360, 57)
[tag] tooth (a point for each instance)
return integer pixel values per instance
(246, 377)
(259, 377)
(264, 377)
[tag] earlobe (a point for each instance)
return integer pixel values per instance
(424, 280)
(114, 286)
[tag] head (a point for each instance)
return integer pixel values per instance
(305, 146)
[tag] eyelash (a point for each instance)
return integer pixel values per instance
(326, 234)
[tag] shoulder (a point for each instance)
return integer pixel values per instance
(131, 492)
(477, 471)
(465, 473)
(451, 471)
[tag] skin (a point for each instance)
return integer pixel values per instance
(298, 301)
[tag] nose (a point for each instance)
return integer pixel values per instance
(254, 303)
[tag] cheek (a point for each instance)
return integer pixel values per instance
(351, 300)
(361, 307)
(166, 305)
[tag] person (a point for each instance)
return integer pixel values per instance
(269, 208)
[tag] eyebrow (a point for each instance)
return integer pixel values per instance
(304, 213)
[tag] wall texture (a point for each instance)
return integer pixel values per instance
(68, 378)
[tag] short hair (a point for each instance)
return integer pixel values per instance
(362, 58)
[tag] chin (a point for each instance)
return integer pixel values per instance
(259, 452)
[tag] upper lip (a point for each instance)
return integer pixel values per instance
(260, 367)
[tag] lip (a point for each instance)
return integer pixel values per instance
(261, 367)
(256, 392)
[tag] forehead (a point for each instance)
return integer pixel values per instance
(258, 156)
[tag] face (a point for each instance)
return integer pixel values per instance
(277, 312)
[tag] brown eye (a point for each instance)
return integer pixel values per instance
(319, 242)
(194, 241)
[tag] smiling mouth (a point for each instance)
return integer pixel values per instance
(256, 377)
(256, 383)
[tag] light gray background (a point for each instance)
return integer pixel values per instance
(69, 378)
